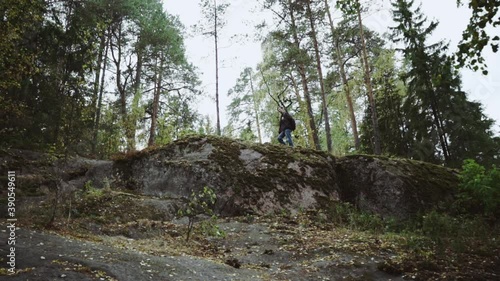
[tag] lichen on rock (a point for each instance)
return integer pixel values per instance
(248, 178)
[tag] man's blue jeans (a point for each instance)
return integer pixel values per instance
(288, 134)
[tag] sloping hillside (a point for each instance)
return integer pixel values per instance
(280, 214)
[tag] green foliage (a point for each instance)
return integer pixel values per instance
(438, 226)
(366, 221)
(436, 122)
(89, 202)
(457, 232)
(348, 6)
(390, 94)
(211, 228)
(109, 139)
(19, 25)
(59, 58)
(201, 203)
(244, 109)
(345, 214)
(475, 37)
(45, 101)
(479, 189)
(90, 192)
(422, 108)
(422, 234)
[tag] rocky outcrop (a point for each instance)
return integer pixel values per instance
(34, 171)
(247, 178)
(394, 188)
(258, 179)
(37, 173)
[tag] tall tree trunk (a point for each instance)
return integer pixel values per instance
(138, 76)
(156, 101)
(255, 107)
(302, 72)
(345, 84)
(128, 123)
(347, 90)
(99, 99)
(69, 127)
(320, 75)
(216, 69)
(371, 98)
(95, 93)
(303, 108)
(438, 120)
(438, 123)
(444, 139)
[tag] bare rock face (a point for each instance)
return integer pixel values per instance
(258, 179)
(394, 188)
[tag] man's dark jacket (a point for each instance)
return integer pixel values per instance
(286, 122)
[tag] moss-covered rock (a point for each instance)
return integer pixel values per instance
(39, 174)
(247, 178)
(33, 170)
(396, 188)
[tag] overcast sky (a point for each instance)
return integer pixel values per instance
(243, 15)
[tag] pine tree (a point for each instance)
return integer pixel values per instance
(338, 56)
(422, 103)
(442, 125)
(350, 8)
(389, 96)
(468, 129)
(294, 60)
(212, 26)
(314, 37)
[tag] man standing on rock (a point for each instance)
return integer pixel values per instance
(287, 125)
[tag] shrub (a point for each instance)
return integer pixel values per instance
(479, 189)
(345, 214)
(459, 233)
(210, 228)
(201, 203)
(366, 222)
(439, 226)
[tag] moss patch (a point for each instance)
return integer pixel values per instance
(277, 170)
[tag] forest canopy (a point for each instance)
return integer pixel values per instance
(98, 77)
